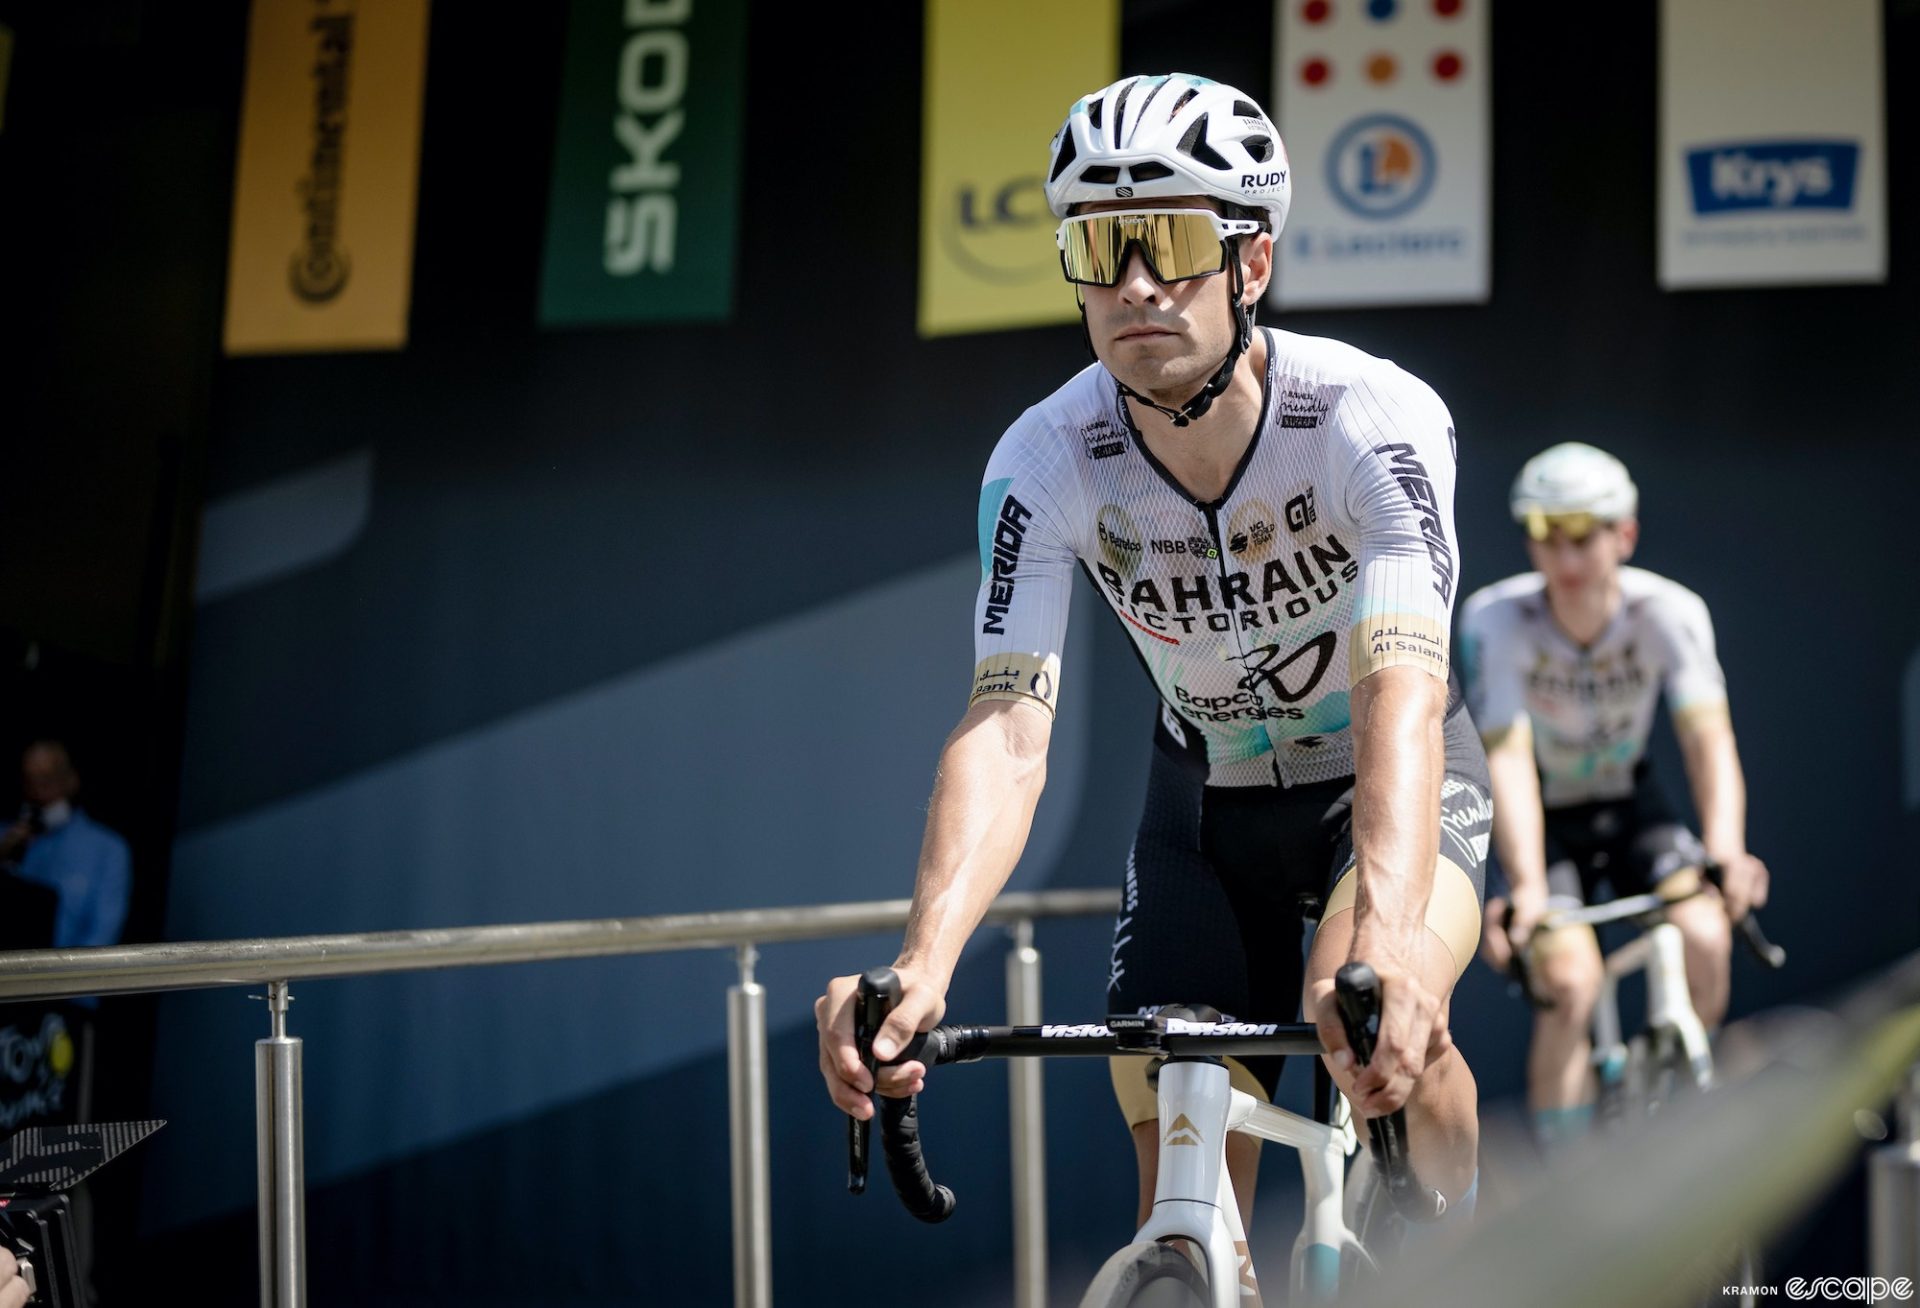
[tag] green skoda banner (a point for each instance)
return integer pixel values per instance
(646, 170)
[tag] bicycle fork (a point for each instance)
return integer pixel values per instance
(1661, 950)
(1193, 1196)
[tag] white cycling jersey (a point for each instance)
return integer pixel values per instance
(1331, 554)
(1590, 707)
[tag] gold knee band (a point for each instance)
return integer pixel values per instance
(1140, 1101)
(1453, 910)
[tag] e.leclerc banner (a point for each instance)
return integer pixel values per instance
(1000, 76)
(328, 171)
(1772, 143)
(642, 220)
(1384, 107)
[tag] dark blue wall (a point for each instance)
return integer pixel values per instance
(514, 626)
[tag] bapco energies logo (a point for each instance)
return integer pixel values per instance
(1381, 166)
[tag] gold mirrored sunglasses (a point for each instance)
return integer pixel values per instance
(1576, 527)
(1178, 244)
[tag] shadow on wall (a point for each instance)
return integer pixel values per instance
(669, 790)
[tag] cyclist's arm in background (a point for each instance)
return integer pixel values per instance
(991, 770)
(1696, 691)
(1496, 698)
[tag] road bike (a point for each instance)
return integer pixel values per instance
(1635, 1075)
(1192, 1251)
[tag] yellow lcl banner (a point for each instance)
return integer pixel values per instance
(1000, 76)
(324, 189)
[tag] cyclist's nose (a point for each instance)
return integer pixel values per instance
(1137, 283)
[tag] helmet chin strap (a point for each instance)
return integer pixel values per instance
(1222, 378)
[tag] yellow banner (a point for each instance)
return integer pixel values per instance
(323, 197)
(1000, 77)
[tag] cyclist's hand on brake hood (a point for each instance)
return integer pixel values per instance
(1412, 1036)
(922, 1003)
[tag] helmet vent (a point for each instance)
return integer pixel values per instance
(1066, 156)
(1260, 147)
(1093, 113)
(1101, 174)
(1247, 109)
(1120, 112)
(1181, 103)
(1149, 172)
(1194, 145)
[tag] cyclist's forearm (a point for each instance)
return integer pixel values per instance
(1519, 823)
(1399, 759)
(1719, 786)
(991, 773)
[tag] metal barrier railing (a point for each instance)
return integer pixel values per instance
(137, 969)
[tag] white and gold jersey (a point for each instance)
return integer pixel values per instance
(1331, 554)
(1590, 707)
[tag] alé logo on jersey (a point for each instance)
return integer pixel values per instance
(1743, 177)
(1284, 589)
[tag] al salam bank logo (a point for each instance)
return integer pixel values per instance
(1380, 166)
(1001, 234)
(1745, 176)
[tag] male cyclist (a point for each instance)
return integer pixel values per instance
(1269, 517)
(1563, 667)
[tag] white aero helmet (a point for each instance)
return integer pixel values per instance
(1145, 137)
(1574, 478)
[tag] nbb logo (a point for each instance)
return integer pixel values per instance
(1380, 166)
(1772, 175)
(1001, 233)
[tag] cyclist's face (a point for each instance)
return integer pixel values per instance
(1166, 339)
(1576, 564)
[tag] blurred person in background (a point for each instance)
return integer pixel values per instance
(55, 844)
(1564, 665)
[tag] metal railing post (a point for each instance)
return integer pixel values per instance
(1893, 1193)
(281, 1140)
(1029, 1127)
(747, 1107)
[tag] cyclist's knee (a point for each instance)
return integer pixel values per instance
(1570, 979)
(1703, 925)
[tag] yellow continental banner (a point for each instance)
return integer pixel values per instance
(1000, 75)
(324, 189)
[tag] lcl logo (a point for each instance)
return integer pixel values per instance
(1001, 233)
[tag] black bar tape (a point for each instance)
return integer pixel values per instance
(1356, 993)
(900, 1139)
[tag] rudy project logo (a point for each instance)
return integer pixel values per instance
(1772, 176)
(1381, 166)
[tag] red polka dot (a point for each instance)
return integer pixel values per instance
(1316, 11)
(1447, 8)
(1446, 65)
(1315, 72)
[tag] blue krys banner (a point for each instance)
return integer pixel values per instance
(1773, 175)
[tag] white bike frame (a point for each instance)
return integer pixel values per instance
(1194, 1199)
(1660, 951)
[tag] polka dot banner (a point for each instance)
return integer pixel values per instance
(1384, 107)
